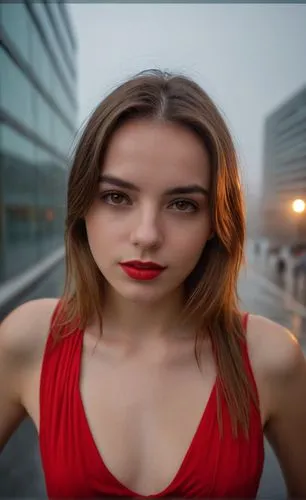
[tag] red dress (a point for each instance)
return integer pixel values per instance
(213, 467)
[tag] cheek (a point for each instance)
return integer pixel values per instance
(98, 223)
(103, 234)
(188, 245)
(96, 231)
(103, 221)
(92, 226)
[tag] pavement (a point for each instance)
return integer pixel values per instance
(20, 468)
(261, 296)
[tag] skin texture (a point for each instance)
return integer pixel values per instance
(143, 374)
(148, 225)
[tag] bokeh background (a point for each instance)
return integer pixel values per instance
(58, 60)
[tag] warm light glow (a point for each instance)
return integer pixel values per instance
(298, 206)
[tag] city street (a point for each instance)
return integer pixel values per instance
(20, 472)
(260, 296)
(94, 88)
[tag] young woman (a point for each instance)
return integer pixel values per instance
(145, 379)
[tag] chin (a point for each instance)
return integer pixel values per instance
(142, 292)
(142, 296)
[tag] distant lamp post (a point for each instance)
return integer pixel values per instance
(298, 206)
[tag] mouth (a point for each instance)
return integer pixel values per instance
(137, 264)
(142, 271)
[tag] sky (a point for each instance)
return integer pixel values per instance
(249, 58)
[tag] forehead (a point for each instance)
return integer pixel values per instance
(157, 153)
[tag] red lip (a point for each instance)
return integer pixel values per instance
(141, 271)
(138, 264)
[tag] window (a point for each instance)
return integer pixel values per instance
(15, 144)
(61, 97)
(50, 208)
(41, 63)
(62, 137)
(53, 43)
(64, 36)
(15, 19)
(44, 124)
(16, 91)
(18, 193)
(32, 202)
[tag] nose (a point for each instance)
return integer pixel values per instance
(147, 231)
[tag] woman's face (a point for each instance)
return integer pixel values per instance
(151, 205)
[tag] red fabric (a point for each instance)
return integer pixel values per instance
(214, 466)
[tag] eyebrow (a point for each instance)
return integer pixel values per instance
(189, 189)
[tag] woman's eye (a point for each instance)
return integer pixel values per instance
(114, 198)
(185, 206)
(120, 199)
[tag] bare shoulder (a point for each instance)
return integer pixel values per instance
(279, 367)
(24, 331)
(273, 348)
(23, 335)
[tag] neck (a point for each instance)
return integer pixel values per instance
(141, 321)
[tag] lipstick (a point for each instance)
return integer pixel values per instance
(142, 271)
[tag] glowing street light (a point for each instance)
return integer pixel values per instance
(298, 206)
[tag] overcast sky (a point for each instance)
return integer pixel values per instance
(249, 58)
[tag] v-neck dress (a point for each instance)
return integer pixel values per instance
(214, 466)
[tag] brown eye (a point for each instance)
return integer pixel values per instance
(185, 206)
(114, 198)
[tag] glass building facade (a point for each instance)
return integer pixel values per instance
(284, 173)
(38, 107)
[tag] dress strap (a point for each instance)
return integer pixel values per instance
(245, 318)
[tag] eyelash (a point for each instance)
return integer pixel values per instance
(103, 196)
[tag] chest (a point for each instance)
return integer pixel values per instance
(138, 426)
(143, 415)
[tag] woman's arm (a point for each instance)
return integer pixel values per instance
(11, 410)
(23, 335)
(286, 425)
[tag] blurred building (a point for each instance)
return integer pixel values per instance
(284, 176)
(252, 204)
(38, 107)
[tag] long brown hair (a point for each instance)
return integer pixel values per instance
(211, 289)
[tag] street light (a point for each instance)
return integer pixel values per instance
(298, 206)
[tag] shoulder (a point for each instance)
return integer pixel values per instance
(280, 368)
(272, 346)
(277, 360)
(24, 331)
(23, 335)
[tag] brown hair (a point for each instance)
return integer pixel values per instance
(211, 289)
